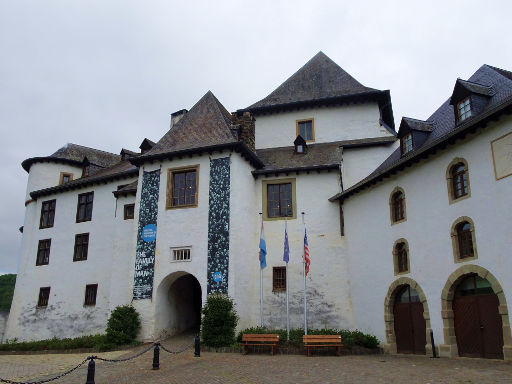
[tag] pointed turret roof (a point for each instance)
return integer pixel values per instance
(320, 78)
(207, 123)
(321, 82)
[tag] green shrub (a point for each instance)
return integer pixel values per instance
(123, 325)
(93, 341)
(350, 338)
(219, 321)
(7, 283)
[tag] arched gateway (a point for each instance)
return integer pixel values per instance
(475, 315)
(178, 304)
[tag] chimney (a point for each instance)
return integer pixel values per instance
(245, 128)
(176, 116)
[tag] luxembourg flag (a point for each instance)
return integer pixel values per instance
(263, 248)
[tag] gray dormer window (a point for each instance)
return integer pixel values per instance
(406, 143)
(464, 109)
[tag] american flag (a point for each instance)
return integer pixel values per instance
(306, 252)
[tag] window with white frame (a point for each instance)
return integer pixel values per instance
(180, 254)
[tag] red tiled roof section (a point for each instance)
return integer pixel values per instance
(207, 123)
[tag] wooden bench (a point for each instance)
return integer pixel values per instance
(270, 340)
(322, 341)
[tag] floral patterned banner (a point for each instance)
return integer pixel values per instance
(218, 226)
(146, 236)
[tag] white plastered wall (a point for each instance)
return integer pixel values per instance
(65, 315)
(370, 237)
(347, 122)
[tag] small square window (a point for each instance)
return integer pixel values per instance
(305, 128)
(279, 279)
(84, 208)
(182, 186)
(47, 214)
(406, 143)
(90, 294)
(181, 254)
(464, 109)
(81, 247)
(65, 178)
(43, 252)
(129, 211)
(44, 296)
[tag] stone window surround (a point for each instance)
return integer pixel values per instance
(449, 180)
(449, 348)
(297, 130)
(455, 240)
(170, 172)
(391, 216)
(62, 175)
(389, 319)
(395, 257)
(264, 208)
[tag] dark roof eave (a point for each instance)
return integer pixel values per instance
(237, 146)
(26, 164)
(370, 142)
(322, 167)
(83, 182)
(461, 131)
(125, 192)
(375, 95)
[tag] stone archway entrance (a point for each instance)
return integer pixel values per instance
(403, 318)
(178, 304)
(469, 314)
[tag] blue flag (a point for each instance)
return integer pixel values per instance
(286, 254)
(263, 248)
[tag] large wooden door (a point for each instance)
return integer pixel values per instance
(478, 325)
(410, 327)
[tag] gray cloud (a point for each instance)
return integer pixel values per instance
(106, 74)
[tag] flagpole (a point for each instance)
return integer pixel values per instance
(261, 284)
(304, 274)
(287, 292)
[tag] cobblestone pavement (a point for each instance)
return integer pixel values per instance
(262, 368)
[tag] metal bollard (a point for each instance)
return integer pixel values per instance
(91, 370)
(197, 347)
(156, 357)
(434, 354)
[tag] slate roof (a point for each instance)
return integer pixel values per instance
(322, 81)
(207, 123)
(75, 154)
(120, 170)
(319, 78)
(445, 127)
(417, 125)
(317, 156)
(130, 189)
(476, 88)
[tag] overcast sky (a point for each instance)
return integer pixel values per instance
(106, 74)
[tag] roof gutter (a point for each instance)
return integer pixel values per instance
(26, 164)
(440, 143)
(238, 146)
(266, 172)
(83, 182)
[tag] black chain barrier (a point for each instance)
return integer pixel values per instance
(92, 366)
(46, 380)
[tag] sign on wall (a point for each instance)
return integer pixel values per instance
(502, 156)
(146, 236)
(218, 226)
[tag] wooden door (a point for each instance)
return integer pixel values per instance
(478, 326)
(410, 326)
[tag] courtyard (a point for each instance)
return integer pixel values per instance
(255, 368)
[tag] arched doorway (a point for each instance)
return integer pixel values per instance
(449, 297)
(406, 304)
(478, 325)
(178, 304)
(410, 328)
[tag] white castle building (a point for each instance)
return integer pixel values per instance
(408, 232)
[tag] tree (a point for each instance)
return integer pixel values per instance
(7, 283)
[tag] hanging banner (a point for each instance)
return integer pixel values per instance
(218, 226)
(146, 236)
